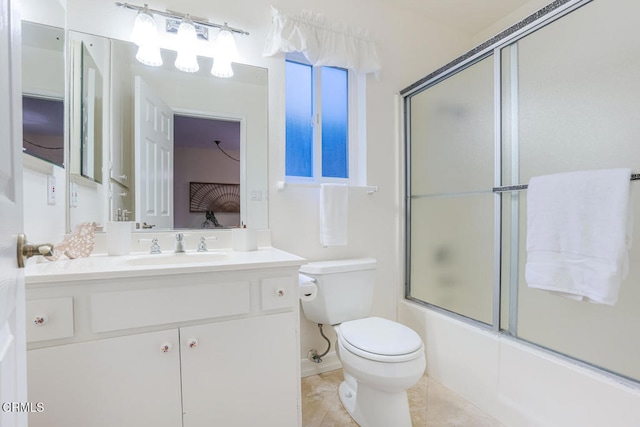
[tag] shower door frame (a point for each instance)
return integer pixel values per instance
(506, 40)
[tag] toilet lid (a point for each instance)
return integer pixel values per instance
(380, 336)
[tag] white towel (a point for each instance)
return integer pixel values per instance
(333, 214)
(578, 233)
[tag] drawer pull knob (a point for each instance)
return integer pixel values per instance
(193, 343)
(165, 348)
(280, 293)
(40, 320)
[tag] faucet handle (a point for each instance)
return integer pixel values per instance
(155, 246)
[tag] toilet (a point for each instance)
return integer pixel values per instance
(380, 358)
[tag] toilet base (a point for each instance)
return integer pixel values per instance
(382, 409)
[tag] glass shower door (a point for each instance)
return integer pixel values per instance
(575, 96)
(451, 204)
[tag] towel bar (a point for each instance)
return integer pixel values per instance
(634, 177)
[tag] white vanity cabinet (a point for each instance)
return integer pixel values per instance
(180, 347)
(237, 373)
(121, 381)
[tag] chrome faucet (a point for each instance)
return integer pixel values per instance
(180, 243)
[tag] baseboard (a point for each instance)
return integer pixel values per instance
(330, 362)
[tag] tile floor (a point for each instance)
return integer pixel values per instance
(432, 405)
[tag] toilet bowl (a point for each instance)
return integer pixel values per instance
(380, 358)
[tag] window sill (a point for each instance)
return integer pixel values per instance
(283, 185)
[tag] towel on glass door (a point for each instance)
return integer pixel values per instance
(333, 214)
(578, 233)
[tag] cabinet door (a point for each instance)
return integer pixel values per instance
(241, 373)
(124, 381)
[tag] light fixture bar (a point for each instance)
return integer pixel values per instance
(177, 15)
(201, 31)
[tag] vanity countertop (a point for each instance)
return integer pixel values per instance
(144, 264)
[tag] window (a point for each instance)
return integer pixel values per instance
(321, 143)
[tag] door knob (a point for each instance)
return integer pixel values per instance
(27, 250)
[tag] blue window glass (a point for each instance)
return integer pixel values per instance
(335, 159)
(299, 111)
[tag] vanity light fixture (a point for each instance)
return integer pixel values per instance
(187, 37)
(144, 35)
(144, 27)
(190, 29)
(225, 52)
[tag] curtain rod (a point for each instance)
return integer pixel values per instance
(634, 177)
(178, 15)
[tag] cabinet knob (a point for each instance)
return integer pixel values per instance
(193, 343)
(165, 348)
(40, 320)
(280, 293)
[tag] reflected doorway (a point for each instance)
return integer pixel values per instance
(206, 151)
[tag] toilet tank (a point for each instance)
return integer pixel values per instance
(345, 290)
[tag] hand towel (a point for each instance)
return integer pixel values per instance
(578, 233)
(333, 214)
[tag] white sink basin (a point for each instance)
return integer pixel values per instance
(176, 258)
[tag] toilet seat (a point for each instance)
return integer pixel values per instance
(380, 339)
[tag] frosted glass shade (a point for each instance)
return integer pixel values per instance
(187, 38)
(144, 29)
(225, 52)
(149, 54)
(221, 68)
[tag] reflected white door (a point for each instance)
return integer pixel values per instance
(153, 158)
(13, 387)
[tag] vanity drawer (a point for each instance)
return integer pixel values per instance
(111, 311)
(277, 293)
(49, 319)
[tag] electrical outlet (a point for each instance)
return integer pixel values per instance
(73, 195)
(51, 190)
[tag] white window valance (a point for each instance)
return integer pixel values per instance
(322, 42)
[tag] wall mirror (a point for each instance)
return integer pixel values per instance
(91, 95)
(43, 92)
(166, 130)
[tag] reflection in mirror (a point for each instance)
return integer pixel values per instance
(194, 110)
(43, 92)
(91, 117)
(88, 75)
(206, 172)
(43, 129)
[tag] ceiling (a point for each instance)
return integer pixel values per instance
(470, 16)
(200, 132)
